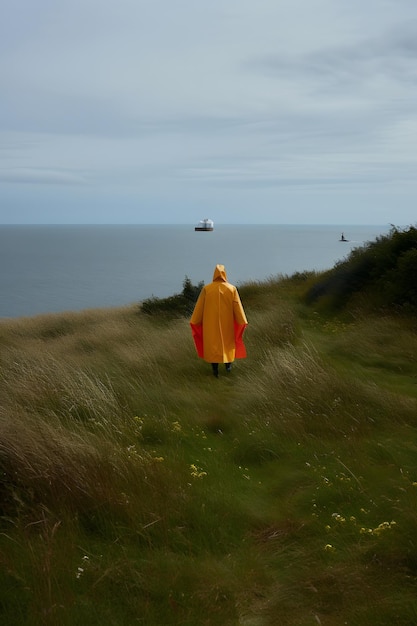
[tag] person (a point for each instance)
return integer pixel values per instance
(218, 323)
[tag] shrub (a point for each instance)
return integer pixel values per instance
(179, 304)
(384, 270)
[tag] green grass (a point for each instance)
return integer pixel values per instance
(137, 489)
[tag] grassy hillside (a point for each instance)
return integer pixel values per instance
(138, 489)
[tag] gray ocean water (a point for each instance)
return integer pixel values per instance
(47, 269)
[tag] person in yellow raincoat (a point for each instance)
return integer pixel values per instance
(218, 322)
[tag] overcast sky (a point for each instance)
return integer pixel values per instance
(168, 111)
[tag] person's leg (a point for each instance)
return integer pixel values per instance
(228, 367)
(215, 367)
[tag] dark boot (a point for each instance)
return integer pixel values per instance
(215, 367)
(228, 367)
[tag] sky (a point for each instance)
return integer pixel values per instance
(243, 111)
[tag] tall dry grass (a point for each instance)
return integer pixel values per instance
(136, 488)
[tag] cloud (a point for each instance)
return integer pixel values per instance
(185, 103)
(392, 54)
(40, 176)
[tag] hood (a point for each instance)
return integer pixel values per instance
(220, 273)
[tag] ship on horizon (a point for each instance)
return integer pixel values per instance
(205, 225)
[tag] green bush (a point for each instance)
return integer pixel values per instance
(383, 270)
(181, 304)
(401, 281)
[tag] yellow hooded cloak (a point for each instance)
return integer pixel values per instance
(218, 321)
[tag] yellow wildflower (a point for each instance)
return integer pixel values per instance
(329, 548)
(196, 472)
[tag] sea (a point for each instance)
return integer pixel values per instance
(51, 269)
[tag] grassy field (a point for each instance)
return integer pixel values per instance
(138, 489)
